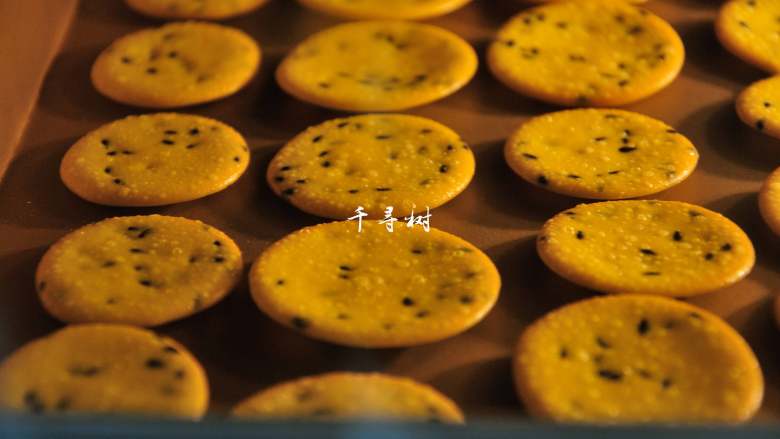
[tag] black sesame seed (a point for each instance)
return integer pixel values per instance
(84, 371)
(627, 149)
(155, 363)
(109, 264)
(192, 145)
(564, 353)
(145, 282)
(179, 374)
(580, 234)
(610, 375)
(417, 251)
(422, 314)
(677, 236)
(666, 383)
(194, 132)
(278, 179)
(126, 60)
(170, 132)
(383, 189)
(600, 139)
(444, 168)
(300, 181)
(466, 299)
(137, 250)
(107, 170)
(542, 180)
(613, 172)
(105, 142)
(407, 301)
(345, 268)
(236, 159)
(317, 139)
(647, 251)
(33, 402)
(326, 164)
(170, 350)
(168, 142)
(767, 104)
(342, 124)
(760, 125)
(353, 191)
(383, 137)
(218, 259)
(726, 247)
(643, 327)
(709, 256)
(300, 323)
(151, 70)
(280, 282)
(111, 153)
(602, 343)
(651, 273)
(218, 243)
(574, 176)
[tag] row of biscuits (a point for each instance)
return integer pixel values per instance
(465, 287)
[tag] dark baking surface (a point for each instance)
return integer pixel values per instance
(241, 349)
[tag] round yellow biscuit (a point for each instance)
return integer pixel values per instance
(602, 154)
(374, 288)
(385, 9)
(194, 9)
(667, 248)
(139, 270)
(154, 160)
(176, 65)
(629, 359)
(758, 104)
(769, 201)
(351, 396)
(591, 52)
(99, 368)
(377, 66)
(372, 161)
(748, 29)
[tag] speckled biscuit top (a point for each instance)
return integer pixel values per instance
(634, 358)
(656, 247)
(606, 154)
(351, 396)
(372, 161)
(141, 270)
(374, 288)
(101, 368)
(593, 52)
(748, 28)
(377, 66)
(176, 65)
(155, 159)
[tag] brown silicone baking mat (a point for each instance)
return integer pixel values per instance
(244, 351)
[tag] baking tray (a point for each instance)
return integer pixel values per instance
(242, 350)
